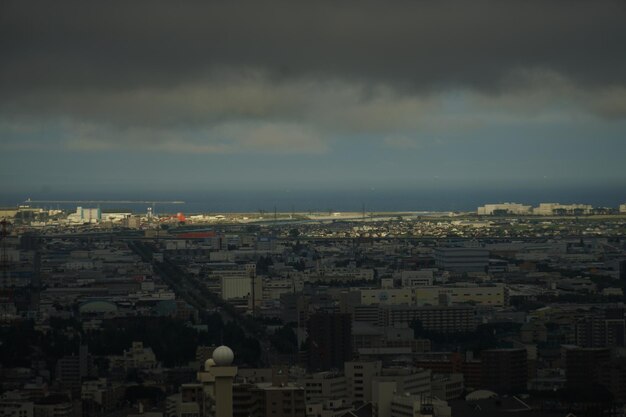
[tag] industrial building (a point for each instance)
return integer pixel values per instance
(461, 259)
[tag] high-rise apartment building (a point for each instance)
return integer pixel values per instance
(505, 371)
(583, 365)
(330, 340)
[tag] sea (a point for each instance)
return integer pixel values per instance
(385, 199)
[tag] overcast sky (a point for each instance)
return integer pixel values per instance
(235, 94)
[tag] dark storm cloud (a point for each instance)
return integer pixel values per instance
(52, 46)
(292, 76)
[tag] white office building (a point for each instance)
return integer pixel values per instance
(504, 208)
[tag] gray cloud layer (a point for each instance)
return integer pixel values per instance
(225, 75)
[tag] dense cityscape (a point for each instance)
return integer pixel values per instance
(115, 313)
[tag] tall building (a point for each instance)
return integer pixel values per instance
(505, 371)
(612, 375)
(621, 265)
(330, 340)
(70, 370)
(607, 329)
(583, 365)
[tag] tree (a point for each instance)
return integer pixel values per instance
(284, 340)
(263, 264)
(140, 392)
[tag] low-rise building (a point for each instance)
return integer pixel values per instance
(137, 357)
(16, 408)
(461, 259)
(325, 386)
(447, 386)
(441, 319)
(556, 209)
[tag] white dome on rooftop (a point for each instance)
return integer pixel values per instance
(223, 356)
(208, 364)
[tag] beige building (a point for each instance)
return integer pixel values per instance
(388, 296)
(550, 209)
(137, 357)
(235, 286)
(237, 283)
(447, 386)
(339, 275)
(368, 381)
(359, 377)
(412, 279)
(286, 400)
(101, 396)
(362, 303)
(8, 213)
(325, 385)
(504, 208)
(278, 398)
(493, 295)
(407, 380)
